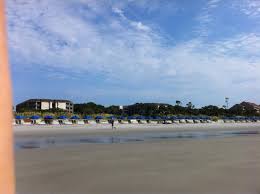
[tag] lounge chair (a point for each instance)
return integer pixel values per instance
(55, 122)
(42, 123)
(189, 120)
(67, 122)
(153, 121)
(92, 122)
(80, 122)
(182, 121)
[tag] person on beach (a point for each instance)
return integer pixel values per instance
(112, 123)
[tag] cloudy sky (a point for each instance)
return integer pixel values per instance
(121, 52)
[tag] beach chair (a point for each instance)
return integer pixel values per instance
(220, 121)
(42, 123)
(80, 122)
(153, 122)
(182, 121)
(55, 122)
(134, 121)
(189, 120)
(67, 122)
(122, 121)
(92, 122)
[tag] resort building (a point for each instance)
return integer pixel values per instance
(45, 104)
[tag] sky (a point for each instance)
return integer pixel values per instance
(123, 52)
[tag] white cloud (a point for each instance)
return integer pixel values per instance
(249, 7)
(94, 41)
(138, 25)
(205, 17)
(213, 3)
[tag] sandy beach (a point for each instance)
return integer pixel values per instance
(57, 130)
(218, 165)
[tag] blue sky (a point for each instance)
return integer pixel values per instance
(122, 52)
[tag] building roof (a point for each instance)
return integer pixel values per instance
(46, 100)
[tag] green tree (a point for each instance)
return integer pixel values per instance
(178, 103)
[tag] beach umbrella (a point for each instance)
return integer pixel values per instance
(35, 117)
(157, 118)
(131, 117)
(237, 118)
(19, 117)
(121, 118)
(62, 117)
(232, 118)
(87, 117)
(256, 118)
(225, 118)
(111, 117)
(165, 118)
(148, 118)
(140, 117)
(250, 119)
(75, 117)
(173, 118)
(48, 117)
(203, 118)
(99, 117)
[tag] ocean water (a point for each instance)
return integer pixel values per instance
(44, 142)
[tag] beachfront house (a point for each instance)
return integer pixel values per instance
(45, 104)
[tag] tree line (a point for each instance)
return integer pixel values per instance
(156, 109)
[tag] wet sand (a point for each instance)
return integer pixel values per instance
(222, 165)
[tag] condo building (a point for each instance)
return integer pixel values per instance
(45, 104)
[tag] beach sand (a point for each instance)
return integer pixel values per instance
(57, 130)
(218, 165)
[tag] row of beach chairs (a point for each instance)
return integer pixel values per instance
(62, 120)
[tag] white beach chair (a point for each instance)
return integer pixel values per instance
(134, 121)
(55, 122)
(153, 122)
(80, 122)
(122, 121)
(92, 122)
(27, 123)
(103, 121)
(140, 121)
(67, 122)
(190, 121)
(220, 121)
(38, 121)
(196, 121)
(42, 123)
(182, 121)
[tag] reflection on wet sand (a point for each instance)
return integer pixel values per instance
(25, 143)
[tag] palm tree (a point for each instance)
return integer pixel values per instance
(178, 102)
(226, 100)
(190, 105)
